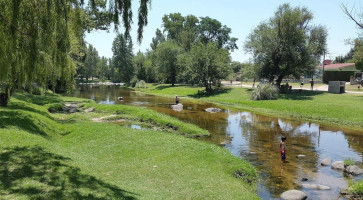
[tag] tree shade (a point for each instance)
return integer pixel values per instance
(36, 37)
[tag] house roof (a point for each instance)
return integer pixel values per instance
(338, 65)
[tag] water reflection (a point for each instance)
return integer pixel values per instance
(256, 138)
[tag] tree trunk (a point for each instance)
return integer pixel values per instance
(5, 97)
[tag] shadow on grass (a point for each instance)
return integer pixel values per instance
(203, 93)
(38, 99)
(24, 107)
(20, 120)
(162, 87)
(300, 95)
(36, 174)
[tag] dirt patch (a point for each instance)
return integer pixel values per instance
(106, 119)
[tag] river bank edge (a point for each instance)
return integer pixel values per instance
(323, 120)
(63, 134)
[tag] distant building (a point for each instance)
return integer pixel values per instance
(337, 67)
(338, 71)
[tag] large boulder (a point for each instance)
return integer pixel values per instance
(354, 170)
(315, 186)
(177, 107)
(213, 110)
(326, 162)
(293, 195)
(338, 165)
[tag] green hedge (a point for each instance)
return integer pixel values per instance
(337, 76)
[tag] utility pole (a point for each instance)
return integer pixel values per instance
(322, 80)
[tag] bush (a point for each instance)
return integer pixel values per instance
(265, 91)
(134, 81)
(56, 108)
(141, 84)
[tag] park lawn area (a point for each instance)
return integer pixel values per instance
(353, 88)
(68, 156)
(339, 109)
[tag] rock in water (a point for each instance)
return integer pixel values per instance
(178, 107)
(316, 186)
(293, 195)
(354, 170)
(213, 110)
(326, 162)
(338, 165)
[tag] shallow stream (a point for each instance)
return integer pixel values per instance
(256, 138)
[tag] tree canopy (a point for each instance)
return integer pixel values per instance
(206, 64)
(123, 58)
(187, 30)
(358, 43)
(166, 58)
(287, 44)
(39, 38)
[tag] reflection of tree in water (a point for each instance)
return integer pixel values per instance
(263, 135)
(33, 173)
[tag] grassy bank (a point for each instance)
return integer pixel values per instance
(68, 156)
(338, 109)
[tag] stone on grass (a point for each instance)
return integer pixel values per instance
(354, 170)
(293, 195)
(177, 107)
(300, 156)
(316, 186)
(213, 110)
(338, 165)
(89, 110)
(326, 162)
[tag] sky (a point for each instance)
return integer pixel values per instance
(242, 17)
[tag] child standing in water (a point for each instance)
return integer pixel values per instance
(283, 149)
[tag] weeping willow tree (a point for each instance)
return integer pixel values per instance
(40, 39)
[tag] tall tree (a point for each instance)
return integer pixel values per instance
(140, 66)
(206, 63)
(358, 43)
(287, 44)
(166, 59)
(91, 63)
(159, 38)
(211, 30)
(122, 57)
(104, 68)
(186, 31)
(35, 38)
(358, 53)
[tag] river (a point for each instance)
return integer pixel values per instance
(256, 138)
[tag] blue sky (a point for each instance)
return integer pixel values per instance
(242, 17)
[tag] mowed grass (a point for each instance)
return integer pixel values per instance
(68, 156)
(340, 109)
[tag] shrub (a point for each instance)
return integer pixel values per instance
(56, 108)
(134, 81)
(141, 84)
(264, 91)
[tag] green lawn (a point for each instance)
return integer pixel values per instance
(340, 109)
(68, 156)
